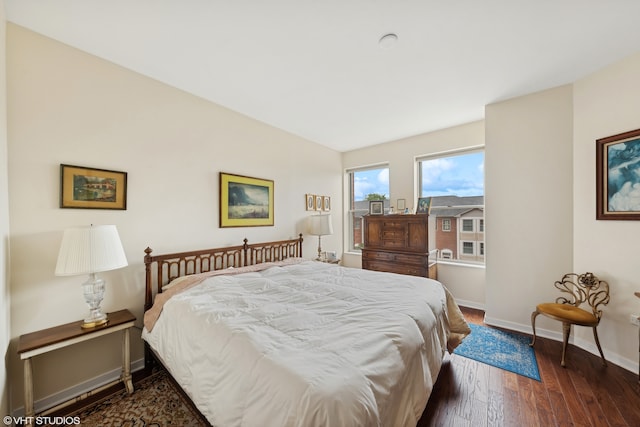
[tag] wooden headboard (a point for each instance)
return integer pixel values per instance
(162, 269)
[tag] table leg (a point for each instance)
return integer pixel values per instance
(28, 390)
(126, 362)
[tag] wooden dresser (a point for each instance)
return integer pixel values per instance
(397, 244)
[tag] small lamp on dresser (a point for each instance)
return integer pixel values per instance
(91, 250)
(320, 225)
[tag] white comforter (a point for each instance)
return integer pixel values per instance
(308, 344)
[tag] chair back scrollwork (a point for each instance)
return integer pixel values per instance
(584, 288)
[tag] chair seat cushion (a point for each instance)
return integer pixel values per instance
(567, 312)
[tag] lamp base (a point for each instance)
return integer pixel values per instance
(89, 324)
(93, 290)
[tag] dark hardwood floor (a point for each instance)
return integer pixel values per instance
(585, 393)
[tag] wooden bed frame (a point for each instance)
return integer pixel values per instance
(162, 269)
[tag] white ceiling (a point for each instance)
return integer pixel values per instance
(316, 69)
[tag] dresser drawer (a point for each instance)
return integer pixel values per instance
(412, 270)
(397, 257)
(420, 260)
(375, 255)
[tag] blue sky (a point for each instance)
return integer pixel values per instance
(461, 175)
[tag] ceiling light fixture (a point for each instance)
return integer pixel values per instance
(388, 41)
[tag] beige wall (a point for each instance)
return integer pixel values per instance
(540, 173)
(466, 284)
(528, 203)
(5, 331)
(607, 103)
(65, 106)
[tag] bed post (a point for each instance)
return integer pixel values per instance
(245, 250)
(148, 293)
(300, 245)
(148, 302)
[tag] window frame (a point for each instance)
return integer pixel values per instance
(351, 211)
(477, 223)
(473, 247)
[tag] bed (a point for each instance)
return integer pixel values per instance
(256, 335)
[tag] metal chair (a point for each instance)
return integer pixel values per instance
(584, 288)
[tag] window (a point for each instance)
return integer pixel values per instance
(365, 184)
(467, 248)
(455, 183)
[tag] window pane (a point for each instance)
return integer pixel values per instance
(455, 184)
(365, 185)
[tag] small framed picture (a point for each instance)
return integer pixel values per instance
(90, 188)
(318, 203)
(424, 205)
(326, 203)
(376, 207)
(309, 200)
(402, 204)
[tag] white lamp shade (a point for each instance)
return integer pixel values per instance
(320, 225)
(92, 249)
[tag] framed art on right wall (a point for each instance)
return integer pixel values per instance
(618, 176)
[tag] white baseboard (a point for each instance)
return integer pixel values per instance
(616, 359)
(78, 391)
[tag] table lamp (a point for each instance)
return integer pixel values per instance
(90, 250)
(320, 225)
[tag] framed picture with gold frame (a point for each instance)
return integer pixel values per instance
(310, 202)
(326, 203)
(90, 188)
(245, 201)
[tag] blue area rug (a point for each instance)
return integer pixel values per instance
(504, 350)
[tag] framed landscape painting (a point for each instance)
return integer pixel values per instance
(618, 176)
(89, 188)
(245, 201)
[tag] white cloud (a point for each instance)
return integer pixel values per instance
(383, 177)
(627, 199)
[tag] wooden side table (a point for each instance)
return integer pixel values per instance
(50, 339)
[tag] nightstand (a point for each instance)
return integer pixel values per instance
(50, 339)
